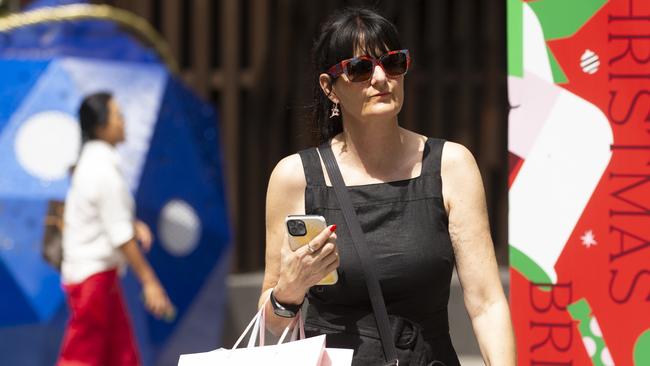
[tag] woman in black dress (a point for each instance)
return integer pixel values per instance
(420, 202)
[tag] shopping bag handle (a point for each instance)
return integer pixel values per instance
(298, 325)
(258, 323)
(255, 323)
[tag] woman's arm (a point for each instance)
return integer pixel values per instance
(155, 297)
(290, 274)
(115, 208)
(475, 260)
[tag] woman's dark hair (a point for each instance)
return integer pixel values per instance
(346, 31)
(93, 113)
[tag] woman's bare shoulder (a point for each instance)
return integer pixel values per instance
(461, 178)
(457, 158)
(285, 193)
(288, 175)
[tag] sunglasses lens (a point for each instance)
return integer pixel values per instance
(395, 64)
(359, 70)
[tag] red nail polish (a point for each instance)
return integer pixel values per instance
(332, 228)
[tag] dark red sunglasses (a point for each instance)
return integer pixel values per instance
(357, 69)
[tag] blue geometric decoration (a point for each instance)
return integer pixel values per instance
(171, 159)
(30, 288)
(181, 172)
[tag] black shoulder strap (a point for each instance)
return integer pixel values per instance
(433, 165)
(311, 166)
(372, 282)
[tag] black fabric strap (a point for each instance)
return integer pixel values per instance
(312, 168)
(367, 264)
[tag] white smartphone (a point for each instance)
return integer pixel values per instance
(302, 229)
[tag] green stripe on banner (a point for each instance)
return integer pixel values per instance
(515, 38)
(559, 76)
(589, 329)
(528, 268)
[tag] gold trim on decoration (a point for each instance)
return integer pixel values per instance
(86, 11)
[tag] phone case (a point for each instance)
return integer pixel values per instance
(314, 224)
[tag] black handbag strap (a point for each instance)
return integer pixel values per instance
(366, 258)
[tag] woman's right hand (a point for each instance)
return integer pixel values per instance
(305, 267)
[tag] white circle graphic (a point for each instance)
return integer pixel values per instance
(606, 357)
(595, 327)
(179, 228)
(590, 346)
(47, 144)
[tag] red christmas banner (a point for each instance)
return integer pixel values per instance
(579, 144)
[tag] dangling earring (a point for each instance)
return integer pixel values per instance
(335, 111)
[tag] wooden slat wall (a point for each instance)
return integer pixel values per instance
(251, 58)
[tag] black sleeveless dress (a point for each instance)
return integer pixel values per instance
(406, 228)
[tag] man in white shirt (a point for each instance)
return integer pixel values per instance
(100, 236)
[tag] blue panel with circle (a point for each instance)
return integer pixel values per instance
(181, 195)
(41, 139)
(171, 161)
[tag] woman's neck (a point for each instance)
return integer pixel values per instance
(371, 145)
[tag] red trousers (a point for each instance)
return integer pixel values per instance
(98, 332)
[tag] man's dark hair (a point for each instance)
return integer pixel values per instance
(93, 113)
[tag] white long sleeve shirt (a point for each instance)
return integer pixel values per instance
(98, 215)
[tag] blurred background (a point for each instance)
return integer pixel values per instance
(244, 66)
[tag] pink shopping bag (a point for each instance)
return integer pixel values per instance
(299, 351)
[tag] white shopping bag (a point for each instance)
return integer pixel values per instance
(306, 352)
(299, 351)
(336, 356)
